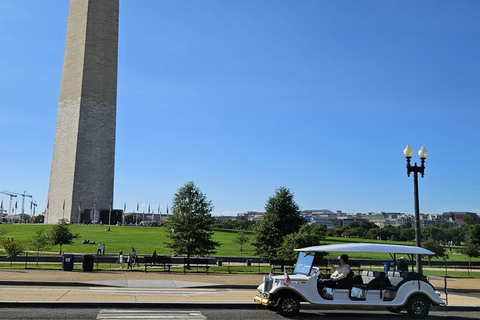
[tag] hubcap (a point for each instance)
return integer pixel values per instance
(289, 305)
(418, 307)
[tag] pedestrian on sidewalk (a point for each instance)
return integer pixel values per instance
(120, 259)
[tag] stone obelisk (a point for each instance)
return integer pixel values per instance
(81, 177)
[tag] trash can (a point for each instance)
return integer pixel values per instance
(67, 262)
(402, 264)
(219, 262)
(88, 262)
(249, 262)
(387, 266)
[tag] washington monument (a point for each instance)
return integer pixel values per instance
(81, 178)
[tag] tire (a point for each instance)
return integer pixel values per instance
(272, 308)
(395, 309)
(418, 307)
(288, 305)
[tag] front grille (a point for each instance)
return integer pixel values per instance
(268, 284)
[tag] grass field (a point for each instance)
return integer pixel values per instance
(143, 239)
(147, 239)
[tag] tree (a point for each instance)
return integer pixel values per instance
(472, 244)
(12, 248)
(191, 223)
(308, 235)
(437, 249)
(241, 238)
(61, 234)
(470, 219)
(38, 219)
(40, 241)
(282, 217)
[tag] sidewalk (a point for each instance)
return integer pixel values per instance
(23, 286)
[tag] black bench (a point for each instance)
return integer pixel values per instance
(203, 263)
(159, 261)
(281, 265)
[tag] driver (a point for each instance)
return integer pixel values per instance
(340, 272)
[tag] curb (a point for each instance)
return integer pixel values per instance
(190, 305)
(86, 284)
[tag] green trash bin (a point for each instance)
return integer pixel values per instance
(88, 260)
(68, 262)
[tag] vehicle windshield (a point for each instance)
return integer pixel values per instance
(304, 263)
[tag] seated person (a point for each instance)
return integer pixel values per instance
(340, 272)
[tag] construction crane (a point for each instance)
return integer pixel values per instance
(11, 194)
(11, 197)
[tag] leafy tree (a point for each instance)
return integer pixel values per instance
(470, 219)
(281, 217)
(308, 235)
(61, 234)
(191, 223)
(437, 249)
(241, 238)
(434, 233)
(472, 244)
(40, 241)
(12, 248)
(38, 219)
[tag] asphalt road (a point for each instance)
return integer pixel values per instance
(213, 314)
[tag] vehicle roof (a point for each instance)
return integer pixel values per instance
(368, 247)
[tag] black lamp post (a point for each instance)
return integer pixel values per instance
(422, 154)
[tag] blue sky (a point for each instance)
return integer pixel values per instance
(243, 97)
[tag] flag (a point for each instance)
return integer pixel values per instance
(110, 205)
(80, 206)
(1, 208)
(167, 210)
(63, 204)
(48, 204)
(125, 206)
(137, 206)
(95, 206)
(149, 208)
(15, 205)
(287, 278)
(271, 272)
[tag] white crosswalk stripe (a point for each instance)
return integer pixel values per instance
(188, 292)
(110, 314)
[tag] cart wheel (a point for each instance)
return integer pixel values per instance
(288, 305)
(418, 307)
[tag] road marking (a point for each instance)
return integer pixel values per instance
(188, 292)
(109, 314)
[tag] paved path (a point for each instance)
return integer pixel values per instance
(25, 285)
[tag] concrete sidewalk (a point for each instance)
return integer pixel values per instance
(26, 286)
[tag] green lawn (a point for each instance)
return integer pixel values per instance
(147, 239)
(143, 239)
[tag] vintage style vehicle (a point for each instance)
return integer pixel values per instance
(396, 290)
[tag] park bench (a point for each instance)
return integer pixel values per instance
(281, 265)
(159, 261)
(203, 263)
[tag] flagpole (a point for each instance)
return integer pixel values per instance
(110, 213)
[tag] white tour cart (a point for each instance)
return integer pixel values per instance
(396, 290)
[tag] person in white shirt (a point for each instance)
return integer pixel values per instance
(339, 272)
(120, 259)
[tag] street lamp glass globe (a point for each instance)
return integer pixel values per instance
(423, 153)
(408, 152)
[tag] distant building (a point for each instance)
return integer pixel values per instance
(457, 216)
